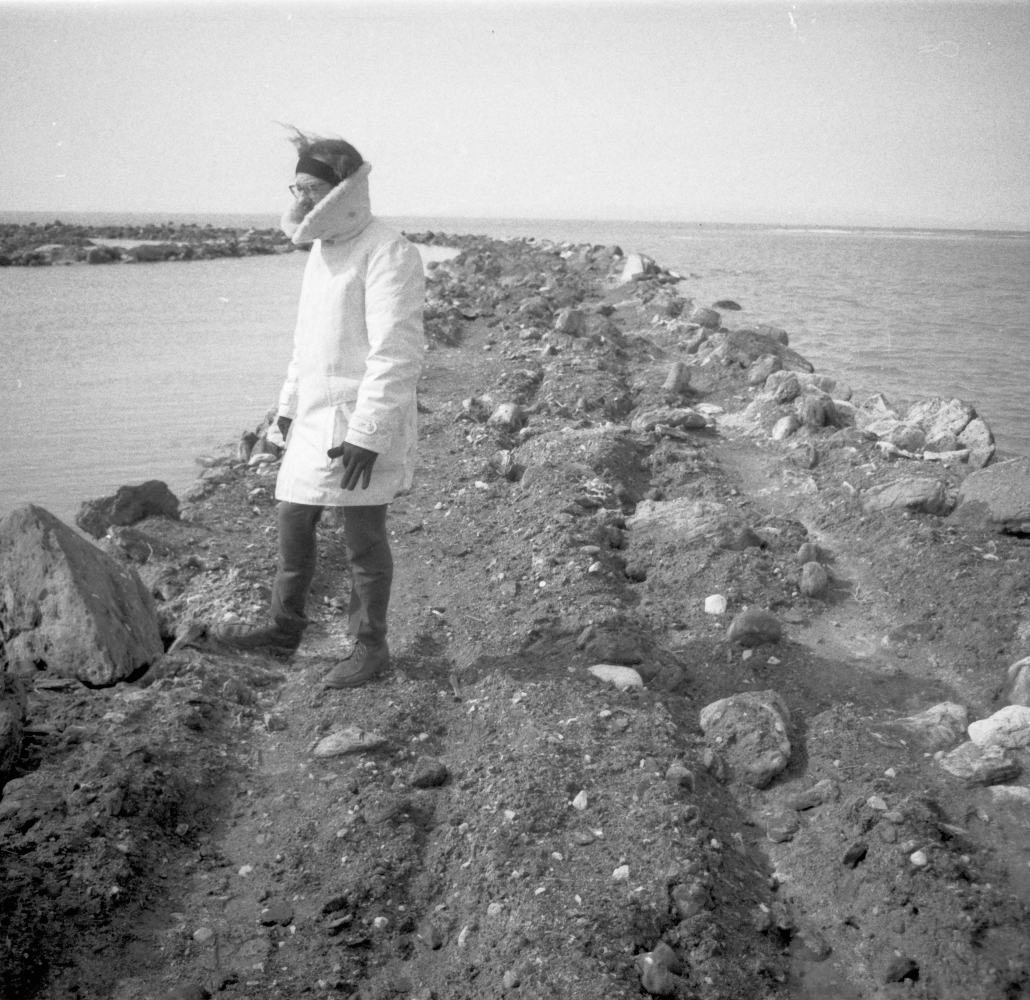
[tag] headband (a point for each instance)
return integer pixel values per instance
(309, 165)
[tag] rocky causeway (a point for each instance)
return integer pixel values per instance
(710, 681)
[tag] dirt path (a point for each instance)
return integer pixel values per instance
(513, 825)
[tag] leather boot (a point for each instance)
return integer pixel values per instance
(265, 639)
(363, 663)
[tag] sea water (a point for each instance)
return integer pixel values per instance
(117, 374)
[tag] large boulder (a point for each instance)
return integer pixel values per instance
(939, 727)
(927, 496)
(749, 344)
(129, 505)
(685, 522)
(977, 437)
(69, 608)
(997, 496)
(939, 416)
(752, 732)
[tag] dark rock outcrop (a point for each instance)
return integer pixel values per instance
(129, 505)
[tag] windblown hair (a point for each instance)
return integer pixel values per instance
(339, 154)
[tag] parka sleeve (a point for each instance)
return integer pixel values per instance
(288, 395)
(394, 295)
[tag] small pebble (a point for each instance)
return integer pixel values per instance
(621, 874)
(580, 802)
(202, 934)
(919, 859)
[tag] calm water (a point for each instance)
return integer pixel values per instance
(117, 374)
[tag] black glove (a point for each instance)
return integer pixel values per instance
(283, 423)
(357, 464)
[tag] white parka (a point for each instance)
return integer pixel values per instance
(358, 350)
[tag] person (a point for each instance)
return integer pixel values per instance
(347, 409)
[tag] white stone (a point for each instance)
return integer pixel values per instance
(919, 859)
(580, 801)
(621, 874)
(940, 726)
(1009, 727)
(353, 739)
(715, 604)
(622, 677)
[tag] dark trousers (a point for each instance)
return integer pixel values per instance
(371, 562)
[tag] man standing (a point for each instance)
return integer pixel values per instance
(348, 405)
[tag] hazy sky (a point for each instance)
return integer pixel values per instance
(855, 113)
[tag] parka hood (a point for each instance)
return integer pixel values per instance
(343, 213)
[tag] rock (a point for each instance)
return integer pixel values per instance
(939, 416)
(901, 968)
(429, 773)
(814, 580)
(654, 978)
(619, 649)
(783, 386)
(670, 417)
(637, 267)
(1009, 727)
(977, 765)
(754, 627)
(752, 731)
(13, 699)
(570, 321)
(508, 417)
(132, 544)
(782, 825)
(819, 794)
(683, 521)
(680, 776)
(727, 304)
(807, 552)
(69, 606)
(940, 726)
(927, 496)
(785, 427)
(748, 345)
(908, 437)
(816, 411)
(715, 604)
(804, 455)
(353, 739)
(276, 913)
(129, 505)
(690, 899)
(855, 854)
(1017, 683)
(977, 437)
(998, 496)
(622, 677)
(937, 443)
(763, 368)
(678, 379)
(775, 333)
(709, 319)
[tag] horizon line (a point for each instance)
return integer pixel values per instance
(932, 227)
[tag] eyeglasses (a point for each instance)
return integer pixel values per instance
(312, 192)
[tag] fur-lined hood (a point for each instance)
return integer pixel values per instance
(343, 213)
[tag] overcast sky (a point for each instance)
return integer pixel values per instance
(806, 113)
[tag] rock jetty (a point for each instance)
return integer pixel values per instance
(708, 670)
